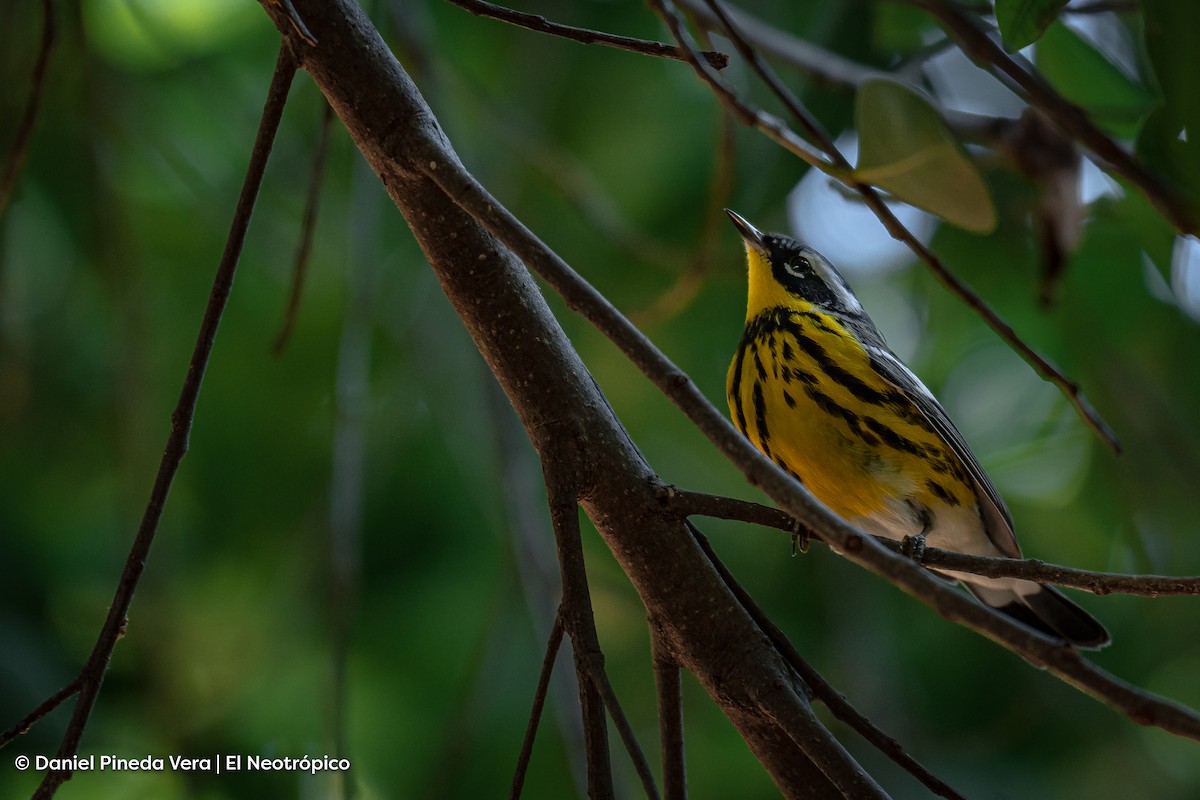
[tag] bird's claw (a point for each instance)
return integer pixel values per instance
(913, 547)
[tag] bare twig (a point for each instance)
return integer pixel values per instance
(598, 675)
(45, 707)
(307, 229)
(539, 701)
(668, 687)
(821, 689)
(92, 675)
(825, 67)
(835, 165)
(580, 625)
(533, 562)
(37, 90)
(1035, 570)
(589, 659)
(690, 503)
(1072, 119)
(536, 22)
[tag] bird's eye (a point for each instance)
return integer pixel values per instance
(798, 267)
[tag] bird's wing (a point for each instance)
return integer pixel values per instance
(996, 518)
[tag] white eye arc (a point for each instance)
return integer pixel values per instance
(799, 267)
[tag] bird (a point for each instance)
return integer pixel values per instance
(814, 386)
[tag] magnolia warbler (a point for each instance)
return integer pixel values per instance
(814, 386)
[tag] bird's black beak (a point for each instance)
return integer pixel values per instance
(751, 235)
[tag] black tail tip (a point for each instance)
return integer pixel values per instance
(1051, 613)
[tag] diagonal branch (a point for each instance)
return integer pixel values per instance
(536, 22)
(580, 624)
(821, 688)
(686, 503)
(668, 687)
(472, 243)
(92, 675)
(539, 701)
(20, 147)
(576, 615)
(55, 700)
(561, 408)
(836, 166)
(1062, 660)
(308, 227)
(975, 42)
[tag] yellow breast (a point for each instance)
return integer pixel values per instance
(804, 391)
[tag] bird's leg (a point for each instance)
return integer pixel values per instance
(914, 547)
(799, 538)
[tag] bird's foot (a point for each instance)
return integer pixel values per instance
(799, 538)
(914, 547)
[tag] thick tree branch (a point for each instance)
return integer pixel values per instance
(559, 404)
(565, 415)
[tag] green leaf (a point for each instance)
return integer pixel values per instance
(1022, 22)
(906, 149)
(1084, 75)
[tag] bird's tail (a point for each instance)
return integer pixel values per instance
(1044, 609)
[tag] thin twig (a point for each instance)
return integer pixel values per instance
(92, 675)
(37, 91)
(821, 688)
(539, 701)
(823, 66)
(599, 676)
(669, 688)
(1036, 570)
(536, 22)
(1014, 71)
(533, 563)
(835, 165)
(580, 625)
(33, 717)
(589, 659)
(686, 502)
(307, 229)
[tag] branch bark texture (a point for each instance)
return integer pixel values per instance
(568, 419)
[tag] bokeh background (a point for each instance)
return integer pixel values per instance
(377, 446)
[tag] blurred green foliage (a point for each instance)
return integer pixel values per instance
(380, 405)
